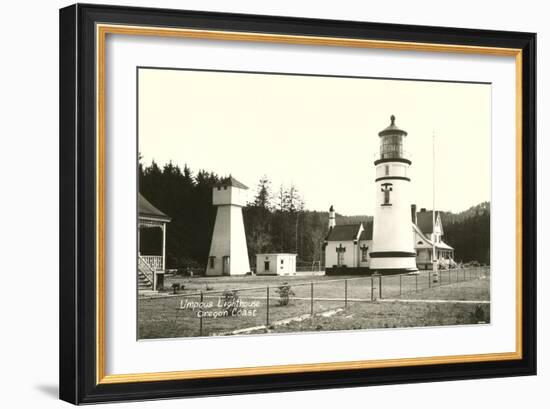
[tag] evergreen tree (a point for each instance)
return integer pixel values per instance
(279, 224)
(263, 195)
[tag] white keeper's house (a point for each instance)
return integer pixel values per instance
(425, 237)
(151, 266)
(347, 247)
(401, 239)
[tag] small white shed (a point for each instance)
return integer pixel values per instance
(282, 264)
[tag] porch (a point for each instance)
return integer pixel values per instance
(151, 267)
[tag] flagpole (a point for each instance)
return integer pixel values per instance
(434, 257)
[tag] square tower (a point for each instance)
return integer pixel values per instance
(228, 251)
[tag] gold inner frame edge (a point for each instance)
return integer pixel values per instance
(101, 33)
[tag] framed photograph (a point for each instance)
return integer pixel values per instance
(256, 203)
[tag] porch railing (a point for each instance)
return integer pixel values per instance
(155, 262)
(146, 270)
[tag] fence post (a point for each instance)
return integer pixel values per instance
(371, 288)
(416, 283)
(400, 279)
(267, 308)
(200, 318)
(380, 287)
(345, 293)
(311, 299)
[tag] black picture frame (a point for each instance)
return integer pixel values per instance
(78, 312)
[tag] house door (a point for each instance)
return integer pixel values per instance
(266, 265)
(225, 265)
(340, 259)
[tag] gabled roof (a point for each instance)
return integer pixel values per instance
(422, 235)
(443, 245)
(424, 221)
(147, 210)
(231, 181)
(428, 243)
(367, 233)
(344, 232)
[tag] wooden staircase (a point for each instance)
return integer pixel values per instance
(143, 282)
(145, 276)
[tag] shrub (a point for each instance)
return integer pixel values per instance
(285, 292)
(231, 302)
(185, 271)
(176, 287)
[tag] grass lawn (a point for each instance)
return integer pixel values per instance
(389, 315)
(173, 315)
(370, 315)
(478, 290)
(162, 317)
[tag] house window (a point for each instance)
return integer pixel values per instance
(282, 261)
(364, 253)
(212, 261)
(340, 255)
(386, 189)
(387, 170)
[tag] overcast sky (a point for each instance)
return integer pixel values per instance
(319, 133)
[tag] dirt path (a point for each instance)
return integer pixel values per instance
(285, 321)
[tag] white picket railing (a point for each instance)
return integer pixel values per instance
(155, 262)
(146, 270)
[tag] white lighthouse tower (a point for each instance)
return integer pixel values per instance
(228, 252)
(392, 241)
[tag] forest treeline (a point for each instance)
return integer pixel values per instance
(275, 220)
(469, 232)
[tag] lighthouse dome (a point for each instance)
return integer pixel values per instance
(392, 129)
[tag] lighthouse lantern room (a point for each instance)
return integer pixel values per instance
(393, 247)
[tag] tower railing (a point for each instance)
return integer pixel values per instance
(392, 155)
